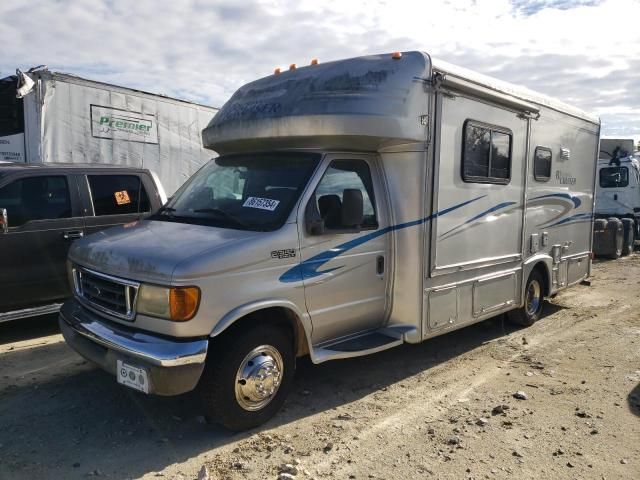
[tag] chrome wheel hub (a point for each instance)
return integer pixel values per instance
(259, 377)
(534, 297)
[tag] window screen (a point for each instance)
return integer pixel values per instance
(36, 198)
(118, 195)
(486, 154)
(542, 164)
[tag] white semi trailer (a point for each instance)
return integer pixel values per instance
(61, 118)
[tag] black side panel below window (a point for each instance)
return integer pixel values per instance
(11, 108)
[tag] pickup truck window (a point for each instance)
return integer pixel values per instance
(246, 192)
(118, 195)
(36, 198)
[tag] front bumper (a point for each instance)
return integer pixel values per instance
(174, 365)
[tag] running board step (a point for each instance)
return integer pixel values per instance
(29, 312)
(365, 344)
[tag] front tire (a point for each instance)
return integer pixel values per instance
(531, 312)
(248, 376)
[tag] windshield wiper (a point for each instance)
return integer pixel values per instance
(166, 209)
(224, 214)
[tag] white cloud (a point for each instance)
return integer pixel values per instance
(582, 51)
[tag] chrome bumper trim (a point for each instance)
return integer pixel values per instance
(153, 349)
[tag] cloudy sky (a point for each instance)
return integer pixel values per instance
(585, 52)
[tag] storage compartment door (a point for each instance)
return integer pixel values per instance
(493, 294)
(443, 307)
(577, 269)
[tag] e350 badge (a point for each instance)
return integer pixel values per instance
(286, 253)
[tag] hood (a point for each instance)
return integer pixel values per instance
(150, 250)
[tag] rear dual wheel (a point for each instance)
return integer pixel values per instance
(531, 312)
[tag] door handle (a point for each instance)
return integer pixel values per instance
(73, 234)
(380, 265)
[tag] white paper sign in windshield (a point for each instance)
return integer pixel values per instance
(12, 148)
(261, 203)
(116, 124)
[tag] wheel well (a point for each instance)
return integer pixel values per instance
(281, 317)
(542, 269)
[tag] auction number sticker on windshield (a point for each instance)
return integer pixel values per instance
(261, 203)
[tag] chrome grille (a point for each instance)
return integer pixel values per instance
(111, 295)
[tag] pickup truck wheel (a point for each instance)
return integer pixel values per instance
(247, 380)
(533, 302)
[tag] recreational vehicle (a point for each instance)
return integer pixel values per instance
(49, 117)
(355, 206)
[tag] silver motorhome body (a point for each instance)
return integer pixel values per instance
(68, 119)
(436, 196)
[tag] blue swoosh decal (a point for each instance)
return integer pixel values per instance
(576, 201)
(578, 216)
(309, 268)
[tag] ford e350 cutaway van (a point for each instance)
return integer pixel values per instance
(355, 206)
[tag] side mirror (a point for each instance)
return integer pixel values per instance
(4, 220)
(312, 219)
(352, 208)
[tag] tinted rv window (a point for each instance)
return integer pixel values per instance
(118, 195)
(613, 177)
(36, 198)
(542, 164)
(11, 108)
(486, 153)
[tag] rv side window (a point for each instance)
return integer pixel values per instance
(542, 164)
(118, 195)
(614, 177)
(340, 176)
(486, 153)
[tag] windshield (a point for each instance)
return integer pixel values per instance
(611, 177)
(245, 192)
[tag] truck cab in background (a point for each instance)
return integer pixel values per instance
(44, 208)
(617, 209)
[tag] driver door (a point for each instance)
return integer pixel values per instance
(344, 267)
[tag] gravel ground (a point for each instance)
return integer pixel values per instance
(447, 408)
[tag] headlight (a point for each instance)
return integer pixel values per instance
(175, 303)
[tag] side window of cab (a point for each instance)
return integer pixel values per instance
(36, 198)
(344, 197)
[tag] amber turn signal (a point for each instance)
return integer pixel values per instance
(396, 55)
(183, 303)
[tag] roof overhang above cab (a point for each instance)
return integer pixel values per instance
(365, 103)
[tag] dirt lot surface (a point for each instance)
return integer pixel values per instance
(441, 409)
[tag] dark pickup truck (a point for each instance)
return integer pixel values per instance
(43, 208)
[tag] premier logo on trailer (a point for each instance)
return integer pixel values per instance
(116, 124)
(129, 124)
